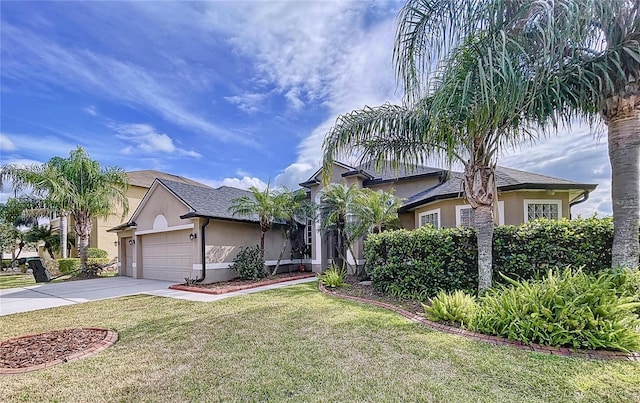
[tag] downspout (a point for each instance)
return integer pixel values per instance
(585, 197)
(202, 251)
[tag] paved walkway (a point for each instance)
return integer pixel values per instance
(47, 295)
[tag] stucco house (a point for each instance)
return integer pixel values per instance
(139, 183)
(435, 196)
(185, 230)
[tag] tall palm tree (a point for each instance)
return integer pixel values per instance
(296, 208)
(265, 204)
(588, 52)
(469, 108)
(77, 185)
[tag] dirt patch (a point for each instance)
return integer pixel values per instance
(38, 351)
(355, 289)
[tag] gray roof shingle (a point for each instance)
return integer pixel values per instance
(208, 202)
(145, 178)
(404, 171)
(506, 179)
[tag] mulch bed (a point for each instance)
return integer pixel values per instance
(39, 351)
(239, 284)
(355, 289)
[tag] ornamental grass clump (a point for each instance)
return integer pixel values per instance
(333, 277)
(457, 307)
(565, 308)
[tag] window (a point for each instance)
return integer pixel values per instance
(308, 233)
(430, 217)
(550, 209)
(464, 215)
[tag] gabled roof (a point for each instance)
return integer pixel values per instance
(145, 178)
(506, 179)
(373, 176)
(207, 201)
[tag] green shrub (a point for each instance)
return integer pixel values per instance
(95, 253)
(421, 262)
(72, 264)
(569, 309)
(457, 307)
(333, 277)
(248, 264)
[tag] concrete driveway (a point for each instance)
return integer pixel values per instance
(46, 295)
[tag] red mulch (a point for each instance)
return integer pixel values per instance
(28, 351)
(238, 282)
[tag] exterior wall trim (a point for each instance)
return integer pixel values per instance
(174, 228)
(435, 211)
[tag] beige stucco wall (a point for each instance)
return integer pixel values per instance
(102, 239)
(407, 188)
(513, 207)
(161, 202)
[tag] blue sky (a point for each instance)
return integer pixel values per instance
(234, 93)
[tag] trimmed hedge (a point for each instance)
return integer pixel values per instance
(421, 262)
(96, 253)
(72, 264)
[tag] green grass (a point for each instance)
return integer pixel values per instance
(26, 279)
(295, 344)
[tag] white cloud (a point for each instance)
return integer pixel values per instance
(6, 144)
(42, 60)
(241, 183)
(248, 102)
(147, 140)
(91, 110)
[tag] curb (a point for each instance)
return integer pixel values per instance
(495, 340)
(110, 339)
(181, 287)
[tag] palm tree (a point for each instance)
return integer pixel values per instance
(77, 185)
(265, 204)
(375, 211)
(336, 214)
(43, 233)
(588, 52)
(296, 208)
(470, 108)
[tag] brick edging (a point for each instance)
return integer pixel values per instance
(201, 290)
(109, 339)
(495, 340)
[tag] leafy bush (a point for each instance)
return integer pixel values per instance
(72, 264)
(248, 264)
(627, 284)
(333, 277)
(95, 253)
(569, 309)
(91, 271)
(421, 262)
(457, 307)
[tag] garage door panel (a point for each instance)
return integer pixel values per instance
(167, 256)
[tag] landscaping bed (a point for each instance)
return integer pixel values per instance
(239, 284)
(38, 351)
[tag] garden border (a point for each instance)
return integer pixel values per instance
(182, 287)
(110, 339)
(495, 340)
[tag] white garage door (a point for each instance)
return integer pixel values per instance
(167, 256)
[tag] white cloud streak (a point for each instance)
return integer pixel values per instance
(147, 140)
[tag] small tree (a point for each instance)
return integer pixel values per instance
(296, 208)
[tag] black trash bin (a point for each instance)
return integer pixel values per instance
(40, 273)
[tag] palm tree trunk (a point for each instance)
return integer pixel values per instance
(64, 229)
(262, 245)
(284, 247)
(83, 231)
(484, 232)
(624, 156)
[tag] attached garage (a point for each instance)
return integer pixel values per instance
(167, 255)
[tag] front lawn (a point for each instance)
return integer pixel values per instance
(299, 345)
(26, 279)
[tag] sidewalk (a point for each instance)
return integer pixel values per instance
(42, 296)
